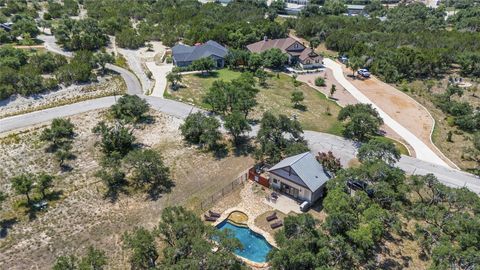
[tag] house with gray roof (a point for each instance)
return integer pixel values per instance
(301, 177)
(183, 55)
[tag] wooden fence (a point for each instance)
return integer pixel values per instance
(234, 185)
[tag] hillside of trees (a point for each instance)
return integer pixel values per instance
(412, 42)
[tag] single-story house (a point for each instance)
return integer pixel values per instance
(183, 55)
(297, 52)
(301, 177)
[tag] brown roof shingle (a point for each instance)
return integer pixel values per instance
(263, 45)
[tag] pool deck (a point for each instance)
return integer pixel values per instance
(253, 206)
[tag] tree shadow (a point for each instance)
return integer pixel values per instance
(41, 205)
(210, 74)
(113, 193)
(147, 119)
(220, 151)
(300, 107)
(244, 146)
(156, 191)
(6, 225)
(390, 264)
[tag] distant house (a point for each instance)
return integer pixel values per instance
(354, 10)
(301, 177)
(6, 26)
(297, 52)
(184, 55)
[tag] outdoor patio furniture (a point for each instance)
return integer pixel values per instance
(272, 217)
(207, 218)
(276, 224)
(214, 214)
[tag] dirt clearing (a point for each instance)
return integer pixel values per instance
(81, 217)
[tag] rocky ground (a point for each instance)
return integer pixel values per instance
(81, 216)
(106, 86)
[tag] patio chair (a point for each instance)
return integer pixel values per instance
(276, 224)
(207, 218)
(272, 217)
(214, 214)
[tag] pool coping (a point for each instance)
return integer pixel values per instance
(250, 224)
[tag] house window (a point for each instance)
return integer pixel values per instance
(275, 180)
(316, 61)
(308, 62)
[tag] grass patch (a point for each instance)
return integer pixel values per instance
(121, 61)
(320, 113)
(403, 150)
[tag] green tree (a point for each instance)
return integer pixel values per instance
(333, 89)
(23, 185)
(319, 81)
(236, 124)
(379, 149)
(200, 129)
(141, 243)
(255, 61)
(60, 132)
(129, 38)
(174, 78)
(187, 242)
(262, 76)
(278, 137)
(25, 27)
(363, 121)
(354, 63)
(113, 179)
(205, 65)
(95, 259)
(43, 183)
(103, 58)
(274, 58)
(66, 263)
(130, 109)
(148, 171)
(296, 98)
(116, 141)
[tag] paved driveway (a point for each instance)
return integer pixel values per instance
(422, 151)
(159, 73)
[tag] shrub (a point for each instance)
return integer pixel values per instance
(319, 81)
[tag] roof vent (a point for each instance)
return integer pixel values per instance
(265, 38)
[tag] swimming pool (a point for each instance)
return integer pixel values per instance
(255, 247)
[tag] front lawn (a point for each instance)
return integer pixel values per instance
(320, 114)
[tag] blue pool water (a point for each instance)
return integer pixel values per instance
(255, 247)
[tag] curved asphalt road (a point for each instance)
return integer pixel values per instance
(422, 151)
(317, 141)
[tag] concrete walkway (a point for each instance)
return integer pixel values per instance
(422, 151)
(159, 73)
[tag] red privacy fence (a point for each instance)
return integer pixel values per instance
(254, 176)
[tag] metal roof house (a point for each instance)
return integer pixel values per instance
(301, 177)
(184, 55)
